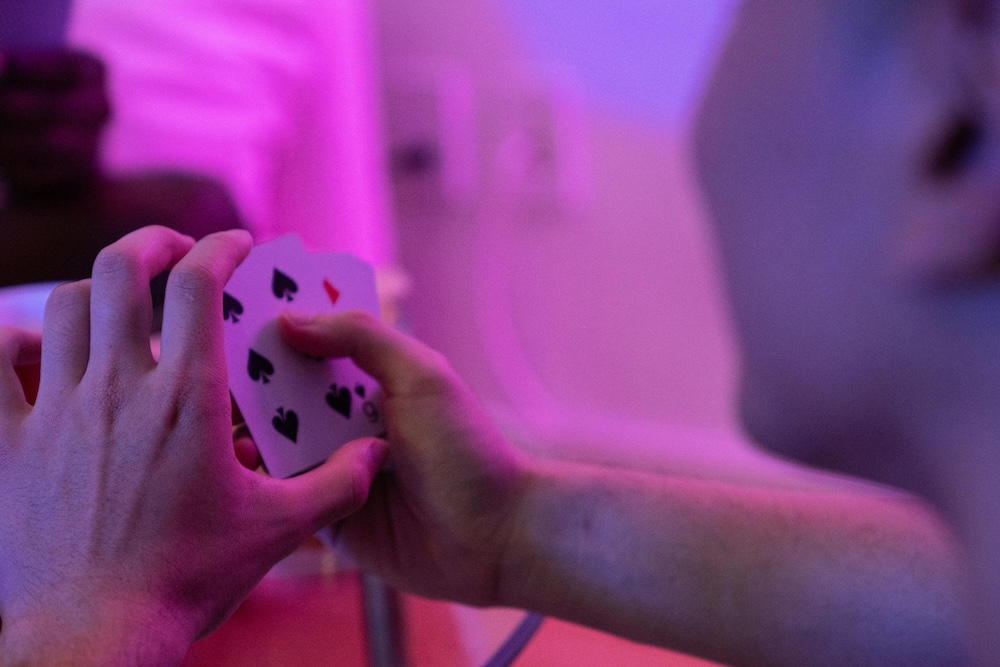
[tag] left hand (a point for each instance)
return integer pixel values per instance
(128, 528)
(440, 523)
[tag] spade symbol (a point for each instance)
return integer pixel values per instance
(231, 308)
(259, 368)
(286, 422)
(360, 390)
(283, 286)
(339, 399)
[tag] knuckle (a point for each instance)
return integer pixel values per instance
(115, 262)
(220, 243)
(286, 515)
(65, 301)
(361, 320)
(438, 364)
(68, 295)
(193, 281)
(433, 375)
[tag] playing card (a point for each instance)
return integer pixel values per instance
(298, 409)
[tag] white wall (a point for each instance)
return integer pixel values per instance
(615, 309)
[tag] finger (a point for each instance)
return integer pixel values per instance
(66, 337)
(17, 348)
(402, 365)
(121, 308)
(245, 447)
(192, 309)
(337, 488)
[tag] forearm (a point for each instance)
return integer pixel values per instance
(737, 574)
(110, 637)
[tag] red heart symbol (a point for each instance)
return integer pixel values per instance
(331, 291)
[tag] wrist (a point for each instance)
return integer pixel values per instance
(114, 633)
(517, 559)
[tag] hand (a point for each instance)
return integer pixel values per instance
(128, 527)
(53, 109)
(438, 524)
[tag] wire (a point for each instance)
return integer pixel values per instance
(515, 644)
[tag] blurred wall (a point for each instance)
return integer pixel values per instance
(588, 321)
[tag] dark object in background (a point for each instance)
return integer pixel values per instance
(59, 209)
(53, 110)
(58, 239)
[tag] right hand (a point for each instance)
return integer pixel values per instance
(438, 524)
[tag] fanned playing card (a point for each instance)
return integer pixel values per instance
(298, 409)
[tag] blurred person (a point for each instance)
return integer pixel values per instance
(852, 142)
(745, 574)
(847, 151)
(129, 529)
(851, 162)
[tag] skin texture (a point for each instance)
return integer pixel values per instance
(856, 238)
(129, 526)
(850, 159)
(742, 574)
(859, 249)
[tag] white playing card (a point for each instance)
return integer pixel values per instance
(298, 409)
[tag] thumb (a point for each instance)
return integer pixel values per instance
(339, 486)
(396, 361)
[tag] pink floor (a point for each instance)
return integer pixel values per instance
(317, 620)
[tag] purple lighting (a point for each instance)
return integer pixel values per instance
(647, 57)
